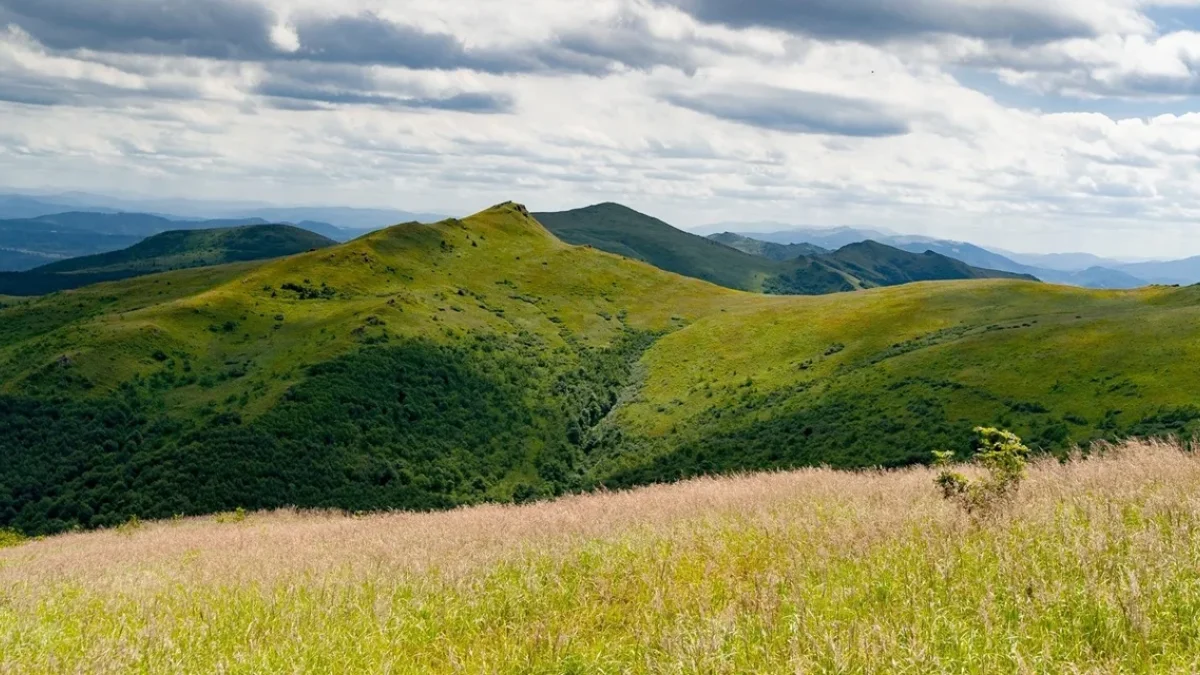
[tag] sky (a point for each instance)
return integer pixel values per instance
(1033, 125)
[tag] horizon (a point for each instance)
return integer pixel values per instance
(225, 209)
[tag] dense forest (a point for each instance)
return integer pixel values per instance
(414, 426)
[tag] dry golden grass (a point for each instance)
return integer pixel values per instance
(1094, 568)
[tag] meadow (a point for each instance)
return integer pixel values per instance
(1091, 569)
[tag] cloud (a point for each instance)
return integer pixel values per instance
(226, 29)
(244, 30)
(1114, 66)
(794, 111)
(1021, 21)
(296, 98)
(303, 86)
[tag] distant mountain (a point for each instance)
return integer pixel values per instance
(767, 249)
(1065, 262)
(830, 238)
(27, 243)
(20, 206)
(1184, 272)
(976, 256)
(1093, 277)
(357, 221)
(163, 252)
(30, 242)
(621, 230)
(135, 224)
(881, 265)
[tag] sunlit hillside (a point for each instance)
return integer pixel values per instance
(1091, 569)
(483, 359)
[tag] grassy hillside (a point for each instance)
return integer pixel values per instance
(767, 249)
(484, 359)
(1091, 570)
(164, 252)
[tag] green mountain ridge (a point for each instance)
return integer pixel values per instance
(484, 359)
(180, 249)
(623, 231)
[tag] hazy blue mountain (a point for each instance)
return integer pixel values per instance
(1185, 272)
(1097, 277)
(27, 243)
(357, 220)
(827, 238)
(140, 224)
(21, 206)
(1066, 262)
(362, 220)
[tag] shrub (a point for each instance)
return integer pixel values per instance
(10, 538)
(1004, 457)
(236, 516)
(130, 526)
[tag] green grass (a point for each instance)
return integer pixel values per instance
(1092, 569)
(879, 377)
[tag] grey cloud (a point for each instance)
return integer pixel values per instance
(39, 90)
(240, 30)
(226, 29)
(370, 39)
(294, 88)
(794, 111)
(881, 20)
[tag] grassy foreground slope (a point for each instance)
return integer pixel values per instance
(1091, 570)
(181, 249)
(483, 359)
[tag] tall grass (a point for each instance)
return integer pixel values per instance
(1094, 568)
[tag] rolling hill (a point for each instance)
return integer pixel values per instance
(180, 249)
(623, 231)
(425, 367)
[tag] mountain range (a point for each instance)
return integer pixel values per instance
(486, 359)
(1075, 269)
(357, 220)
(621, 230)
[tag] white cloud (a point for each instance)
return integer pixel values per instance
(693, 118)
